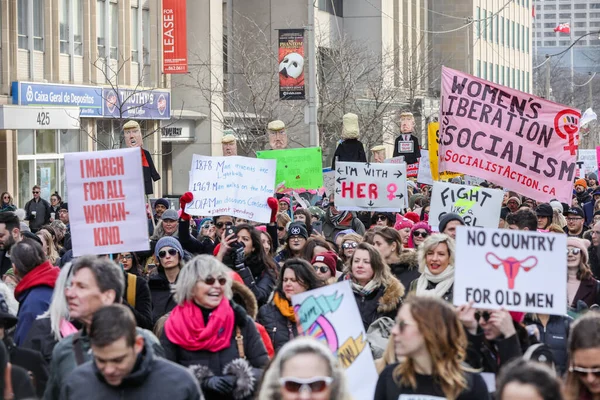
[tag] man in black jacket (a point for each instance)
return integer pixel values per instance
(37, 210)
(10, 234)
(125, 366)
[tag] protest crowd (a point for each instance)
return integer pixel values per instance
(218, 306)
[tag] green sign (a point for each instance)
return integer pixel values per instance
(297, 168)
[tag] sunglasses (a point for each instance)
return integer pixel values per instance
(486, 316)
(127, 257)
(313, 385)
(222, 224)
(211, 280)
(280, 228)
(422, 234)
(35, 192)
(207, 225)
(402, 324)
(163, 253)
(349, 245)
(573, 251)
(381, 218)
(582, 372)
(321, 269)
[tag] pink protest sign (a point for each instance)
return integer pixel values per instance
(519, 141)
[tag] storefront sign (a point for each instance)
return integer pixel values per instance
(137, 103)
(174, 37)
(177, 131)
(23, 117)
(87, 98)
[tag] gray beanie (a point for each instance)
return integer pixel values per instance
(168, 241)
(447, 218)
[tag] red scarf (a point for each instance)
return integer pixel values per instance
(144, 160)
(43, 275)
(186, 328)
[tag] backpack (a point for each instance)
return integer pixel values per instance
(131, 289)
(541, 353)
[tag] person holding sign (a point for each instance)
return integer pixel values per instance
(407, 144)
(436, 265)
(277, 316)
(430, 338)
(376, 291)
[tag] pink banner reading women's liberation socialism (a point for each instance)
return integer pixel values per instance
(522, 142)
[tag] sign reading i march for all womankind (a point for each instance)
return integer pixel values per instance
(516, 270)
(479, 206)
(106, 201)
(329, 314)
(516, 140)
(368, 186)
(236, 186)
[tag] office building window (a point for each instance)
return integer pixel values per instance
(38, 24)
(497, 29)
(522, 38)
(491, 26)
(580, 6)
(502, 31)
(527, 41)
(23, 24)
(64, 26)
(334, 7)
(485, 22)
(113, 22)
(478, 69)
(512, 79)
(580, 24)
(78, 27)
(580, 15)
(71, 29)
(135, 35)
(513, 34)
(549, 7)
(564, 16)
(549, 43)
(146, 36)
(518, 36)
(477, 22)
(31, 35)
(101, 27)
(491, 72)
(484, 70)
(564, 7)
(565, 42)
(501, 81)
(549, 16)
(497, 77)
(594, 15)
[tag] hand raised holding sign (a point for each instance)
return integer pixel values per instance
(466, 315)
(499, 323)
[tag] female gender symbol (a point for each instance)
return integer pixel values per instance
(391, 188)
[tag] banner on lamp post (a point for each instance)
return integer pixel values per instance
(174, 37)
(291, 64)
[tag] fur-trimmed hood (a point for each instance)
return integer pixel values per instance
(408, 260)
(392, 296)
(244, 297)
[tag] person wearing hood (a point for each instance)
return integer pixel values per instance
(337, 221)
(448, 224)
(125, 366)
(211, 335)
(403, 264)
(169, 253)
(436, 265)
(377, 292)
(350, 149)
(34, 291)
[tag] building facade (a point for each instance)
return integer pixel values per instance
(99, 57)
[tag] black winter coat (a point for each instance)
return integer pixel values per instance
(351, 150)
(256, 277)
(491, 356)
(409, 157)
(150, 173)
(254, 350)
(407, 268)
(31, 361)
(191, 244)
(143, 303)
(40, 338)
(280, 329)
(161, 294)
(555, 335)
(22, 387)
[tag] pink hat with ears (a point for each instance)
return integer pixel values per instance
(402, 222)
(517, 316)
(261, 228)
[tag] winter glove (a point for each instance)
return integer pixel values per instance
(220, 384)
(183, 201)
(273, 204)
(239, 257)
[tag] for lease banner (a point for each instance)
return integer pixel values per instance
(174, 37)
(370, 186)
(106, 201)
(517, 270)
(478, 206)
(514, 139)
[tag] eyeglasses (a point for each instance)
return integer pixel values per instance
(571, 219)
(320, 268)
(296, 237)
(574, 251)
(422, 234)
(127, 257)
(163, 253)
(222, 224)
(485, 314)
(313, 385)
(211, 280)
(349, 245)
(402, 324)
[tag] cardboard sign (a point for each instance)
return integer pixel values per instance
(518, 270)
(297, 168)
(233, 185)
(328, 180)
(424, 174)
(518, 141)
(330, 314)
(368, 186)
(587, 162)
(479, 206)
(106, 201)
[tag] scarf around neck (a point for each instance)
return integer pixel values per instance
(284, 307)
(363, 290)
(337, 219)
(186, 327)
(443, 281)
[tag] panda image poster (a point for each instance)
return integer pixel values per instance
(291, 64)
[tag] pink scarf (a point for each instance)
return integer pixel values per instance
(185, 327)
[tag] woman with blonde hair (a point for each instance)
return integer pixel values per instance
(432, 341)
(49, 246)
(304, 367)
(436, 265)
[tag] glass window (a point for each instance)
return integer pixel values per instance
(478, 68)
(522, 38)
(564, 7)
(518, 36)
(46, 177)
(549, 16)
(580, 6)
(484, 22)
(146, 36)
(100, 27)
(502, 31)
(114, 30)
(490, 26)
(507, 33)
(135, 35)
(38, 25)
(513, 34)
(69, 141)
(484, 70)
(507, 82)
(334, 7)
(64, 26)
(594, 24)
(580, 24)
(549, 34)
(26, 180)
(549, 7)
(564, 16)
(497, 25)
(565, 42)
(501, 75)
(594, 15)
(22, 23)
(491, 72)
(497, 77)
(478, 23)
(78, 26)
(595, 5)
(25, 141)
(549, 43)
(45, 142)
(580, 15)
